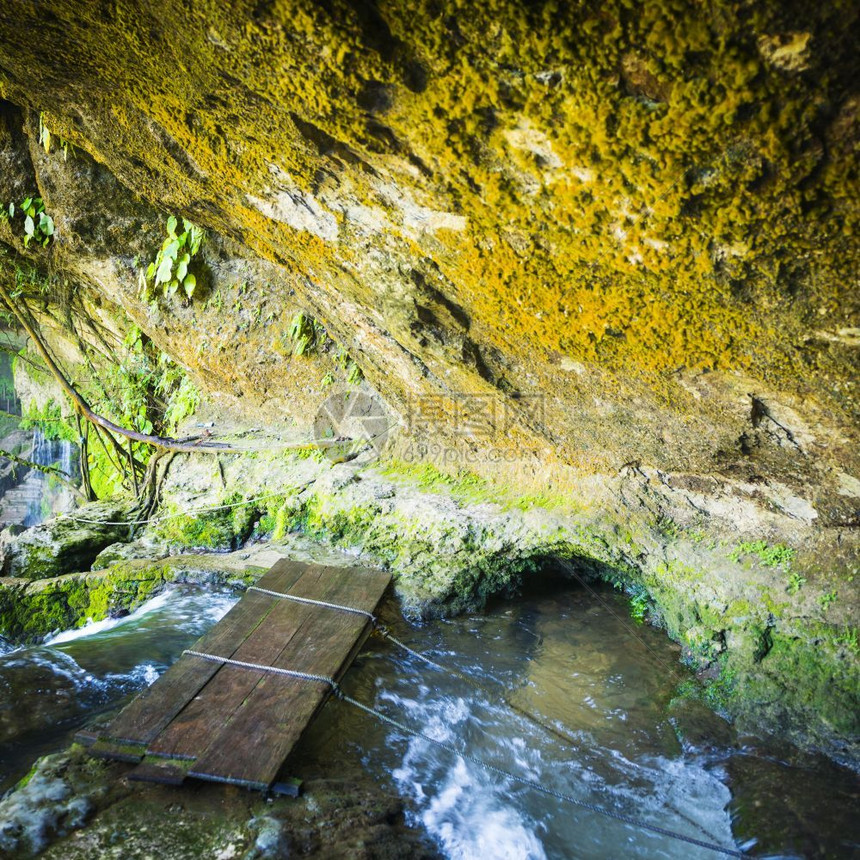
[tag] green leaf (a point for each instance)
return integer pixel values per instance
(27, 240)
(39, 204)
(189, 285)
(29, 226)
(172, 287)
(164, 272)
(171, 225)
(182, 267)
(170, 249)
(150, 271)
(196, 240)
(25, 204)
(46, 224)
(11, 210)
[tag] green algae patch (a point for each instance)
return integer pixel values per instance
(31, 611)
(469, 488)
(222, 528)
(803, 683)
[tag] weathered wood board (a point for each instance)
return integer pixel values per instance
(233, 724)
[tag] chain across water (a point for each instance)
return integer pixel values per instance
(384, 718)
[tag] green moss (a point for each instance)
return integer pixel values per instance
(804, 678)
(463, 485)
(224, 528)
(50, 420)
(721, 693)
(41, 562)
(771, 555)
(24, 781)
(29, 614)
(468, 488)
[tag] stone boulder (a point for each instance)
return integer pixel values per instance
(65, 544)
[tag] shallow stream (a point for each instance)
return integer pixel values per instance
(560, 687)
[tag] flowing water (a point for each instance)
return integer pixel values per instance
(37, 496)
(558, 687)
(48, 692)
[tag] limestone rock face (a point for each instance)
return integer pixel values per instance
(602, 254)
(640, 214)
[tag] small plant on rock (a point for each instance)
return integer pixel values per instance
(639, 602)
(305, 333)
(848, 640)
(826, 599)
(46, 139)
(795, 582)
(777, 555)
(170, 269)
(38, 225)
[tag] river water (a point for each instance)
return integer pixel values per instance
(559, 687)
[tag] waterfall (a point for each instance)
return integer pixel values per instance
(45, 497)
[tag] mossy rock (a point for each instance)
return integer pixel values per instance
(64, 544)
(33, 610)
(804, 686)
(226, 528)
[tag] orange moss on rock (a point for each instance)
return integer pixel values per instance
(641, 187)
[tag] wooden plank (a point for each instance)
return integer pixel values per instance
(87, 737)
(275, 718)
(164, 773)
(230, 724)
(153, 709)
(229, 686)
(251, 746)
(132, 753)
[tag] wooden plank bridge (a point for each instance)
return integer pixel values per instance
(212, 720)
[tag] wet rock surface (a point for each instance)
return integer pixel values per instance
(80, 808)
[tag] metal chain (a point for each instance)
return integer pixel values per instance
(308, 600)
(292, 673)
(380, 628)
(528, 783)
